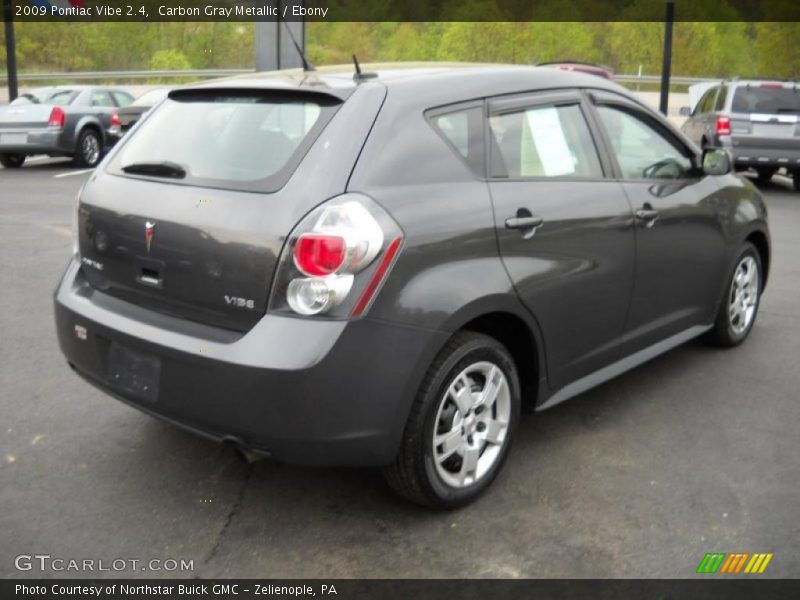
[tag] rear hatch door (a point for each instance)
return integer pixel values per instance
(191, 213)
(766, 116)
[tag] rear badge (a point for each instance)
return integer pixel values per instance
(92, 263)
(80, 332)
(239, 302)
(149, 229)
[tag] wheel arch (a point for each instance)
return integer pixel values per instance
(760, 240)
(505, 319)
(89, 123)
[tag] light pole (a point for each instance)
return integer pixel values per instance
(274, 48)
(667, 62)
(11, 56)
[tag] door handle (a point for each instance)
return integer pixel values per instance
(648, 215)
(524, 222)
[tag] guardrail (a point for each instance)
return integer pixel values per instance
(120, 76)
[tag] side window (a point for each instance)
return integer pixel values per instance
(641, 150)
(101, 99)
(543, 141)
(463, 130)
(720, 104)
(122, 98)
(704, 105)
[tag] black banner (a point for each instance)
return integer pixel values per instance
(402, 10)
(734, 588)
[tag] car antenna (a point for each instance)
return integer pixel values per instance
(307, 66)
(360, 75)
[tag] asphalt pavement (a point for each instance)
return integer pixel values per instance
(697, 451)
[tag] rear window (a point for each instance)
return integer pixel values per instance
(242, 140)
(63, 98)
(760, 99)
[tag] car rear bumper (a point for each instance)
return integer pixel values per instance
(299, 390)
(44, 141)
(745, 155)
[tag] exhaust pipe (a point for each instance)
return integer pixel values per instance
(242, 451)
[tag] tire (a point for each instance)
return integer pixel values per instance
(438, 475)
(733, 325)
(765, 173)
(89, 149)
(796, 181)
(12, 161)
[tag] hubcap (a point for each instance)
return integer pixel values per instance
(90, 149)
(743, 295)
(471, 424)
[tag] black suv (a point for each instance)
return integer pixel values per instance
(758, 122)
(382, 271)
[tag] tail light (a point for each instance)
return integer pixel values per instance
(336, 259)
(56, 117)
(723, 125)
(115, 120)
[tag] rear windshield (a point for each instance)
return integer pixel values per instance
(242, 140)
(61, 98)
(772, 100)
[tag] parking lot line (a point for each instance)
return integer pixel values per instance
(72, 173)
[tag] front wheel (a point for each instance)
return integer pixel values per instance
(739, 307)
(89, 149)
(12, 161)
(461, 424)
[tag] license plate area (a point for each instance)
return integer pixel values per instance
(13, 138)
(134, 372)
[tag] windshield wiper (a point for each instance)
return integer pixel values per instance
(157, 169)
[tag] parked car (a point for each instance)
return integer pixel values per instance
(382, 271)
(758, 122)
(77, 121)
(130, 115)
(603, 71)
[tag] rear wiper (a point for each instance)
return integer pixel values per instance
(787, 110)
(157, 169)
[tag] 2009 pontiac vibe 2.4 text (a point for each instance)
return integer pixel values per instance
(382, 270)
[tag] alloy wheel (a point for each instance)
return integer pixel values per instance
(743, 296)
(90, 148)
(471, 424)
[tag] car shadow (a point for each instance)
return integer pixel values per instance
(779, 184)
(287, 489)
(51, 164)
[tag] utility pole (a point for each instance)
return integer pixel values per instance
(274, 48)
(11, 52)
(667, 63)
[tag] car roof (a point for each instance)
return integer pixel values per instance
(758, 82)
(449, 79)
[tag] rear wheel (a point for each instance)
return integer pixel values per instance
(461, 424)
(88, 150)
(12, 161)
(796, 180)
(739, 307)
(766, 173)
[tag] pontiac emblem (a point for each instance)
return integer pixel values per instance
(149, 228)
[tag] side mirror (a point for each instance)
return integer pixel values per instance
(717, 161)
(685, 111)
